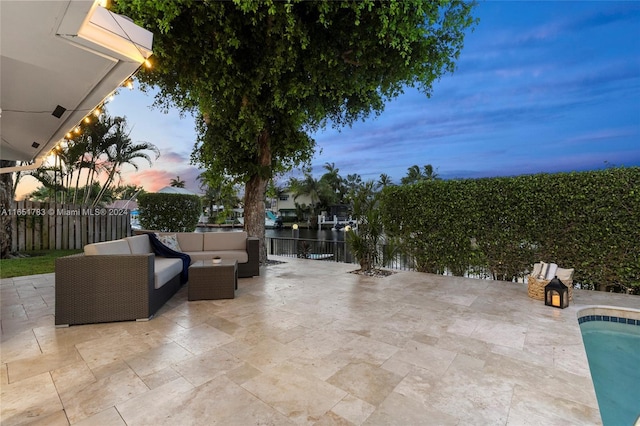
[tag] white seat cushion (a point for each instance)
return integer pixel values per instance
(165, 269)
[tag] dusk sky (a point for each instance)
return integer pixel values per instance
(540, 87)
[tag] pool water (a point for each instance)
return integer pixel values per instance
(613, 351)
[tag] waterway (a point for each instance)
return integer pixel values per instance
(302, 233)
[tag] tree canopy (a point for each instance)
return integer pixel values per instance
(262, 74)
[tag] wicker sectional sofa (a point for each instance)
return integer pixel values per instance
(228, 245)
(123, 280)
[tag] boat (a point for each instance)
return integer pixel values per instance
(319, 256)
(270, 220)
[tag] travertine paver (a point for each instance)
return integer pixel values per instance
(307, 342)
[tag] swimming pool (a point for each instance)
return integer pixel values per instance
(611, 338)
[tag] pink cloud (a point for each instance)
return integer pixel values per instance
(154, 179)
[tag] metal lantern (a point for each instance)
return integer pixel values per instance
(556, 294)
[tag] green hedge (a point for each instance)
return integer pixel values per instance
(586, 220)
(169, 212)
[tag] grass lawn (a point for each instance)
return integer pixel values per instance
(37, 262)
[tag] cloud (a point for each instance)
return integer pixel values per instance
(539, 87)
(154, 179)
(603, 135)
(174, 157)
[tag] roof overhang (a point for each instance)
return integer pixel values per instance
(59, 60)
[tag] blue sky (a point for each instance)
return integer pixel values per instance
(540, 87)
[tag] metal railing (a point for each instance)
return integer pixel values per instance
(324, 250)
(338, 251)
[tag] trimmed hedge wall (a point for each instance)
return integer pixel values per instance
(589, 221)
(169, 212)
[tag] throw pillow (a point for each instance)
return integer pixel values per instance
(537, 268)
(544, 267)
(565, 275)
(170, 240)
(551, 271)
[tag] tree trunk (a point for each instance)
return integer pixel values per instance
(254, 211)
(6, 202)
(254, 193)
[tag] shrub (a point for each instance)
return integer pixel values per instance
(368, 243)
(169, 212)
(582, 220)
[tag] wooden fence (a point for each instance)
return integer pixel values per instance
(49, 226)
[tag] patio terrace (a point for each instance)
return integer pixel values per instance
(305, 343)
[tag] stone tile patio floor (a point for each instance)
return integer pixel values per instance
(305, 343)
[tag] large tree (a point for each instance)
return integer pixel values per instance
(6, 202)
(262, 75)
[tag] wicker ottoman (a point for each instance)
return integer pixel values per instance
(209, 281)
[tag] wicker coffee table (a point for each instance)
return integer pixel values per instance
(209, 281)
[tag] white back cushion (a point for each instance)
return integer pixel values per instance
(552, 271)
(107, 247)
(190, 241)
(139, 244)
(225, 241)
(565, 275)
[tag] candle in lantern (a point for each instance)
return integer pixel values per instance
(555, 300)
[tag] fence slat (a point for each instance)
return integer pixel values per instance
(49, 226)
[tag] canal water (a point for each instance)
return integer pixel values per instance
(317, 244)
(303, 233)
(306, 234)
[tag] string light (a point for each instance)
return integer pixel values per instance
(87, 120)
(147, 63)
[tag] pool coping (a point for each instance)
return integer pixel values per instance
(609, 314)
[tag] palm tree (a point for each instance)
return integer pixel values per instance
(308, 186)
(122, 151)
(95, 138)
(177, 182)
(384, 181)
(274, 191)
(369, 244)
(218, 191)
(429, 173)
(102, 145)
(333, 185)
(415, 175)
(353, 181)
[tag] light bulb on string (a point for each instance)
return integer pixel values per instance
(87, 120)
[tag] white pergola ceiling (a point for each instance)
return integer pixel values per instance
(67, 53)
